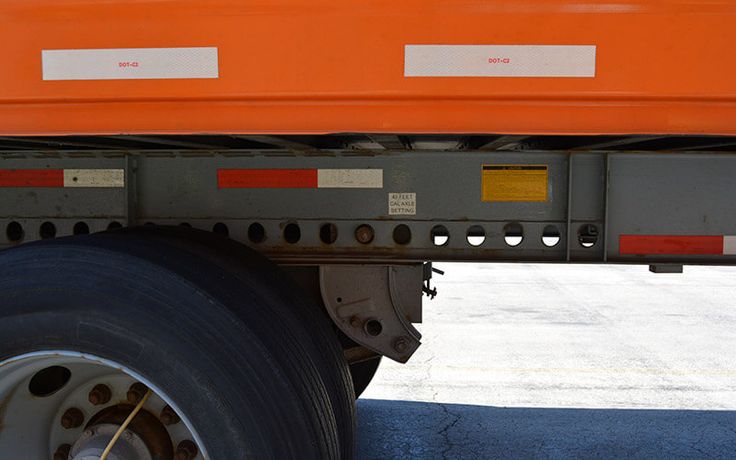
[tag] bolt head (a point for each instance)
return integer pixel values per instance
(136, 392)
(62, 452)
(186, 450)
(364, 234)
(100, 394)
(401, 345)
(169, 416)
(72, 418)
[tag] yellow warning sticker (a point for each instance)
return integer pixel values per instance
(514, 183)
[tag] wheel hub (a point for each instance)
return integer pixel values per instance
(68, 406)
(93, 441)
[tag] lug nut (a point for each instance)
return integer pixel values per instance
(62, 453)
(186, 450)
(364, 234)
(72, 418)
(100, 394)
(169, 416)
(136, 392)
(401, 345)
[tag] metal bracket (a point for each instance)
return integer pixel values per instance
(427, 289)
(374, 305)
(665, 268)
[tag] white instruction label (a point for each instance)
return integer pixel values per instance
(499, 60)
(402, 204)
(130, 63)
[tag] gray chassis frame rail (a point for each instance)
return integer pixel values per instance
(593, 199)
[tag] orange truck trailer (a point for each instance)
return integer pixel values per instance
(218, 216)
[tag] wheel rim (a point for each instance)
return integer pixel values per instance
(61, 404)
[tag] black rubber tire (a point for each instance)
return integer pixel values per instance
(305, 321)
(362, 373)
(214, 344)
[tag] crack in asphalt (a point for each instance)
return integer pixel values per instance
(564, 362)
(444, 432)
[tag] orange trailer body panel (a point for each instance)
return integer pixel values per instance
(326, 66)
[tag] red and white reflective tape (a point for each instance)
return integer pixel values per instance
(677, 245)
(59, 178)
(300, 178)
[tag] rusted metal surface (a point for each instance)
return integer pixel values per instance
(186, 450)
(100, 394)
(367, 304)
(62, 452)
(364, 234)
(136, 392)
(72, 418)
(169, 416)
(592, 199)
(145, 424)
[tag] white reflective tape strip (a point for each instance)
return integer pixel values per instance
(499, 60)
(130, 63)
(729, 245)
(87, 178)
(350, 178)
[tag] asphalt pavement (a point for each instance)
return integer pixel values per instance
(547, 361)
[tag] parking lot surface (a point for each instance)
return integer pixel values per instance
(546, 361)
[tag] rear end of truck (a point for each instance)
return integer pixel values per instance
(217, 217)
